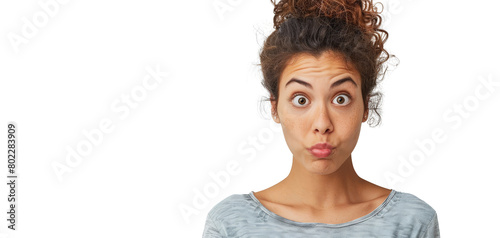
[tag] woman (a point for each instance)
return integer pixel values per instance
(320, 67)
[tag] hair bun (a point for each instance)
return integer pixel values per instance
(361, 13)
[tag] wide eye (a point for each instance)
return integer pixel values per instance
(299, 100)
(342, 99)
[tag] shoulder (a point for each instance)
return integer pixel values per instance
(231, 206)
(407, 208)
(413, 205)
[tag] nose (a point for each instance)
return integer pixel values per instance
(322, 121)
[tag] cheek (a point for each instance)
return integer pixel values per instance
(294, 131)
(350, 132)
(291, 128)
(296, 123)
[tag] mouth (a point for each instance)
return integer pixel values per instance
(321, 150)
(321, 153)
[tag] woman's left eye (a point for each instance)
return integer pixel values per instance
(341, 99)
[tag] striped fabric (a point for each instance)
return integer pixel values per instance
(400, 215)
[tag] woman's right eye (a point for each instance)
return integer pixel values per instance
(299, 100)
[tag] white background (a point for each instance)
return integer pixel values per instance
(65, 77)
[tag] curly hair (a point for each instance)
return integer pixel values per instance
(349, 27)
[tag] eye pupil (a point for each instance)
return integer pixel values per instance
(340, 99)
(302, 101)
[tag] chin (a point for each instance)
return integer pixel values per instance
(323, 166)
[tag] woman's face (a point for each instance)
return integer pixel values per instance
(320, 101)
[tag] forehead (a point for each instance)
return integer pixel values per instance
(323, 68)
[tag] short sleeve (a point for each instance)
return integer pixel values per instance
(211, 230)
(432, 230)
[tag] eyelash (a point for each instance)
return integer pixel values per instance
(301, 94)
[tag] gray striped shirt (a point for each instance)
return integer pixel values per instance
(400, 215)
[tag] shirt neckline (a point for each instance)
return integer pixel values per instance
(352, 222)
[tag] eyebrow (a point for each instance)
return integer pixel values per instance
(335, 84)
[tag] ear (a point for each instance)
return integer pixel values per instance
(274, 112)
(365, 115)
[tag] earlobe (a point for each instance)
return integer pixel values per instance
(274, 112)
(276, 119)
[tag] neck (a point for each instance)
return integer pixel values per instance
(339, 188)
